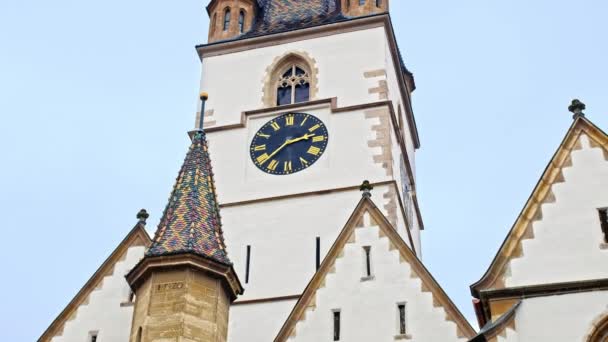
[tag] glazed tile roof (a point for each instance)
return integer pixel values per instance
(191, 221)
(284, 15)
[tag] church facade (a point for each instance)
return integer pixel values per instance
(269, 233)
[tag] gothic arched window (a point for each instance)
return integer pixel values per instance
(378, 3)
(226, 19)
(347, 5)
(241, 21)
(293, 85)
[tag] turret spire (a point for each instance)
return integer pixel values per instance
(191, 221)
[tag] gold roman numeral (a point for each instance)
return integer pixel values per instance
(318, 138)
(287, 166)
(289, 120)
(314, 128)
(262, 158)
(260, 148)
(273, 165)
(266, 136)
(275, 126)
(304, 162)
(314, 150)
(303, 121)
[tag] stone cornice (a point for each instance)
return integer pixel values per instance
(150, 264)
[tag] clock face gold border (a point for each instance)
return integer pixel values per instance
(289, 143)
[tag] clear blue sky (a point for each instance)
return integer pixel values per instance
(96, 97)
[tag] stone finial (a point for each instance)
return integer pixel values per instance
(577, 107)
(142, 216)
(366, 187)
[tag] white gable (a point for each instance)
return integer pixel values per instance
(103, 311)
(567, 242)
(369, 307)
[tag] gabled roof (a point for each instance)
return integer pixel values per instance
(429, 284)
(136, 237)
(191, 221)
(522, 229)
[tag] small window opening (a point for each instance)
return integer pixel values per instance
(241, 21)
(318, 253)
(401, 313)
(368, 261)
(226, 19)
(336, 325)
(247, 264)
(347, 5)
(378, 3)
(604, 222)
(361, 2)
(93, 336)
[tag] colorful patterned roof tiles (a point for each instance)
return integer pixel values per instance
(284, 15)
(191, 221)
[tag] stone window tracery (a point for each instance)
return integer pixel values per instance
(291, 78)
(293, 85)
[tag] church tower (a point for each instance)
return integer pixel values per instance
(185, 283)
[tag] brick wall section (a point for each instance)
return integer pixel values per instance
(382, 139)
(181, 305)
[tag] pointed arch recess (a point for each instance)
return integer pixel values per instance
(274, 70)
(599, 329)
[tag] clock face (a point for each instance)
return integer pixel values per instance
(289, 143)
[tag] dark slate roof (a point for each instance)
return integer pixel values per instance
(277, 16)
(191, 221)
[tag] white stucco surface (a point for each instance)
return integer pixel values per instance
(258, 322)
(103, 313)
(282, 235)
(566, 244)
(369, 308)
(564, 318)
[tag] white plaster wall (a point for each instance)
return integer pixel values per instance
(565, 318)
(283, 235)
(258, 322)
(369, 308)
(103, 313)
(510, 335)
(341, 60)
(347, 161)
(567, 240)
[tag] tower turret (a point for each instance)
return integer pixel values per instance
(356, 8)
(185, 283)
(230, 18)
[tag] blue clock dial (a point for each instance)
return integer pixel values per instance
(289, 143)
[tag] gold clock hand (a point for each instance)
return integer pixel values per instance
(275, 152)
(288, 142)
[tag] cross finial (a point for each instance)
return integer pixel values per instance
(142, 216)
(577, 107)
(366, 188)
